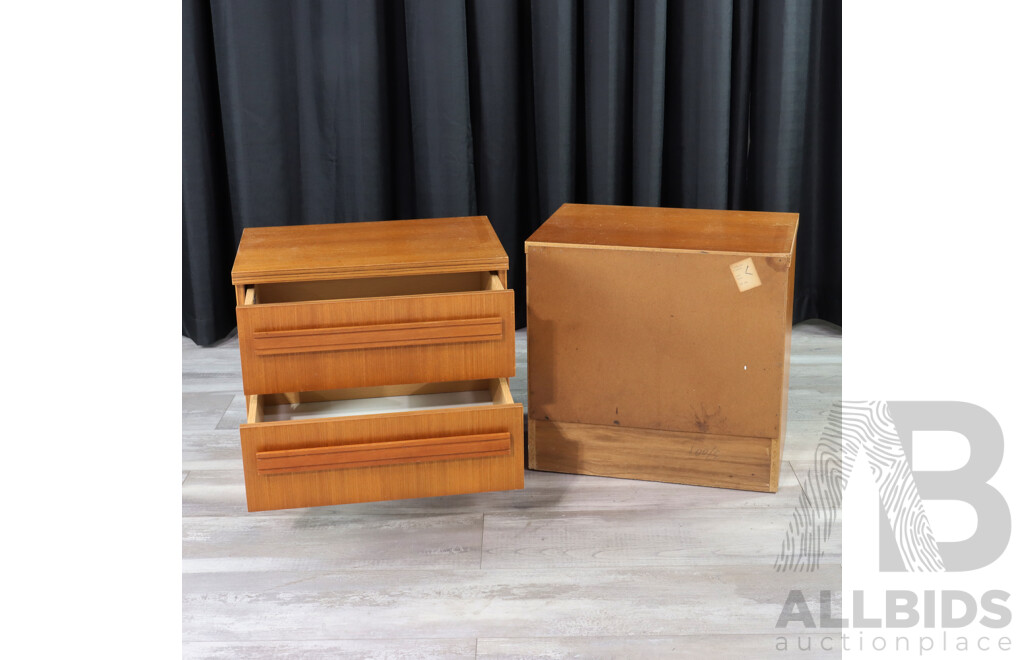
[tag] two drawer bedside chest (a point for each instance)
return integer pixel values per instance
(658, 343)
(375, 359)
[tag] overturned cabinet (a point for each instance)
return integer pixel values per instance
(375, 362)
(658, 344)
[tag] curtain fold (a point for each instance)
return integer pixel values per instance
(607, 96)
(346, 110)
(649, 63)
(697, 105)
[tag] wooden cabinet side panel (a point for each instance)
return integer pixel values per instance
(385, 365)
(669, 456)
(787, 328)
(657, 340)
(384, 482)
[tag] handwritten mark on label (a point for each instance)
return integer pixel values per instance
(745, 274)
(707, 453)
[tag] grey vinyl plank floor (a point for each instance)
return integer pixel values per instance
(572, 566)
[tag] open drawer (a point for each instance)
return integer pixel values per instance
(303, 336)
(381, 443)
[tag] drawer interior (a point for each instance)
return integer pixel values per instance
(372, 287)
(377, 400)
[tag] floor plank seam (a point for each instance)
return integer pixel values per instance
(483, 527)
(217, 427)
(746, 509)
(769, 632)
(250, 574)
(519, 569)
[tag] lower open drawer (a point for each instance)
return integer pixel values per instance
(381, 443)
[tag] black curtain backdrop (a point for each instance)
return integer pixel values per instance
(349, 110)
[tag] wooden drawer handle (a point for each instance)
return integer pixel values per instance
(481, 445)
(389, 335)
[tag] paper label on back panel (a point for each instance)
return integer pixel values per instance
(745, 274)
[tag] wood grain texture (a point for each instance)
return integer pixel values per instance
(253, 542)
(453, 603)
(216, 488)
(254, 409)
(628, 570)
(480, 445)
(680, 457)
(662, 229)
(200, 411)
(700, 647)
(679, 647)
(495, 470)
(384, 335)
(405, 339)
(669, 536)
(367, 249)
(693, 339)
(335, 649)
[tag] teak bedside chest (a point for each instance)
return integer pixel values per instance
(375, 359)
(658, 344)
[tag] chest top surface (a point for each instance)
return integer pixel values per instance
(367, 249)
(686, 230)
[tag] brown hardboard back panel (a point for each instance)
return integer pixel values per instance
(656, 340)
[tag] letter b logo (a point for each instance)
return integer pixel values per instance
(967, 484)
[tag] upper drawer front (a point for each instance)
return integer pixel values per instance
(363, 342)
